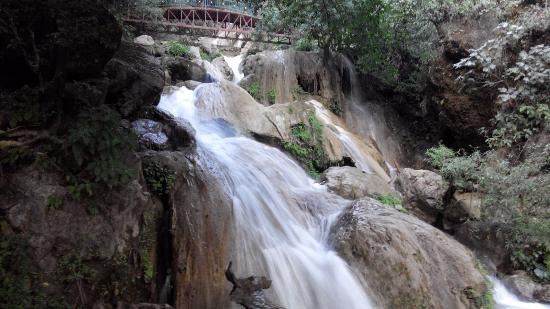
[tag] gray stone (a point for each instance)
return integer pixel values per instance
(522, 285)
(144, 40)
(351, 182)
(464, 206)
(423, 192)
(403, 261)
(223, 67)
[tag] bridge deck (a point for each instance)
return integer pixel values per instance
(210, 21)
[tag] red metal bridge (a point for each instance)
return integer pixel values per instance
(219, 19)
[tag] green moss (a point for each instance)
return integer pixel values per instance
(147, 244)
(306, 145)
(160, 178)
(389, 199)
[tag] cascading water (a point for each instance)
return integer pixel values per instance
(234, 63)
(506, 300)
(282, 216)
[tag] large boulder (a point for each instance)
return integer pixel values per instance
(144, 40)
(223, 67)
(404, 262)
(423, 192)
(351, 182)
(182, 69)
(521, 283)
(137, 80)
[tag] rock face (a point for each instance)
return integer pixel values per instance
(351, 182)
(137, 79)
(200, 230)
(464, 206)
(522, 285)
(223, 67)
(181, 69)
(423, 192)
(404, 262)
(273, 124)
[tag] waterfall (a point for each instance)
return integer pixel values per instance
(282, 216)
(505, 299)
(234, 63)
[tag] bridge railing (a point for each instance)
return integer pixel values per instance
(232, 5)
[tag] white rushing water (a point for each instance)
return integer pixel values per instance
(504, 299)
(235, 63)
(281, 215)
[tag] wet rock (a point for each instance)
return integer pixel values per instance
(248, 292)
(144, 40)
(150, 133)
(179, 131)
(181, 69)
(137, 80)
(223, 67)
(423, 192)
(464, 206)
(404, 262)
(200, 231)
(351, 182)
(191, 84)
(521, 284)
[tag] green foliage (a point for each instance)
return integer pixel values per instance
(271, 96)
(298, 93)
(95, 148)
(19, 284)
(439, 155)
(254, 91)
(177, 49)
(355, 27)
(535, 259)
(159, 178)
(303, 44)
(307, 145)
(23, 108)
(518, 125)
(335, 108)
(73, 269)
(54, 202)
(15, 157)
(389, 199)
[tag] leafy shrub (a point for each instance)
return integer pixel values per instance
(254, 91)
(95, 149)
(303, 45)
(177, 49)
(307, 145)
(73, 269)
(439, 155)
(54, 202)
(271, 96)
(535, 259)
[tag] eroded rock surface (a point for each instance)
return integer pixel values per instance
(351, 182)
(423, 192)
(404, 262)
